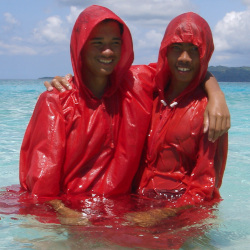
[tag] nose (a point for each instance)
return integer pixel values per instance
(107, 50)
(184, 56)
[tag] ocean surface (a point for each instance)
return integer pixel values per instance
(229, 229)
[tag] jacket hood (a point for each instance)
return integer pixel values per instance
(84, 24)
(185, 28)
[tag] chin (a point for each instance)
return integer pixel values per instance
(106, 72)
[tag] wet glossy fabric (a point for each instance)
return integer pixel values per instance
(76, 143)
(180, 163)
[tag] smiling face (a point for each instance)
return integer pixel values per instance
(102, 51)
(184, 62)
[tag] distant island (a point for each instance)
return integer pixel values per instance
(230, 74)
(46, 78)
(222, 74)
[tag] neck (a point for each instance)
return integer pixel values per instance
(175, 88)
(97, 85)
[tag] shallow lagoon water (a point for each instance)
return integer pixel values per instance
(228, 229)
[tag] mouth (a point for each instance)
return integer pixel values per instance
(105, 61)
(183, 69)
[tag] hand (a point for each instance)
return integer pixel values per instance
(68, 216)
(74, 221)
(60, 83)
(150, 218)
(71, 217)
(216, 117)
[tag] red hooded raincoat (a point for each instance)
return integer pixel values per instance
(76, 143)
(180, 161)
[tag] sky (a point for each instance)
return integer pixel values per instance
(35, 35)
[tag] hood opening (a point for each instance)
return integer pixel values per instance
(84, 24)
(185, 28)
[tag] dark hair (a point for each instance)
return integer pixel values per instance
(113, 20)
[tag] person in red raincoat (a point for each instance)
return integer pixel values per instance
(87, 140)
(180, 163)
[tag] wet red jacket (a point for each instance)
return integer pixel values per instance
(179, 160)
(76, 143)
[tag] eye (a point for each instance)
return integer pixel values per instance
(117, 42)
(194, 48)
(175, 47)
(96, 43)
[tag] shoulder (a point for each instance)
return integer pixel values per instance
(140, 78)
(200, 97)
(196, 97)
(146, 71)
(50, 95)
(60, 100)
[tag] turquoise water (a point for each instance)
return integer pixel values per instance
(229, 229)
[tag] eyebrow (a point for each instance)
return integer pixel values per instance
(101, 38)
(190, 44)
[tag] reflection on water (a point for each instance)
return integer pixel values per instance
(34, 225)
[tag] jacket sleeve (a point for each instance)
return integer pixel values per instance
(206, 177)
(43, 148)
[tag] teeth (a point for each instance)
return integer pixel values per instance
(183, 69)
(105, 61)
